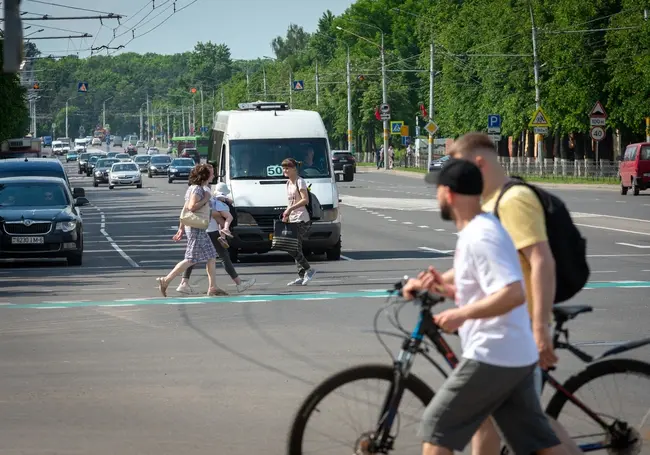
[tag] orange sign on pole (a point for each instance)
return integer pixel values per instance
(193, 90)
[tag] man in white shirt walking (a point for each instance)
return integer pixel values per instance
(496, 374)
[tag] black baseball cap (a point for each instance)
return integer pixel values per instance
(461, 176)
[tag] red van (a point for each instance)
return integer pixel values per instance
(634, 168)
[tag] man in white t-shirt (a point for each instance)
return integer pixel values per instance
(496, 374)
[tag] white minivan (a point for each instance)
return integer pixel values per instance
(246, 149)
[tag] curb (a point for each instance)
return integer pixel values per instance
(563, 186)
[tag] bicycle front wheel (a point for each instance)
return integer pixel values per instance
(624, 408)
(346, 408)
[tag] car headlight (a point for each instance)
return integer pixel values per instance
(246, 219)
(173, 169)
(154, 168)
(329, 215)
(98, 173)
(66, 226)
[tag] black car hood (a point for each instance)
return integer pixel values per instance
(159, 164)
(183, 168)
(37, 214)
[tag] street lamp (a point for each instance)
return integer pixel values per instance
(104, 111)
(383, 80)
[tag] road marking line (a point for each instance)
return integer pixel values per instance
(315, 298)
(346, 258)
(121, 305)
(423, 227)
(633, 245)
(604, 271)
(434, 250)
(113, 244)
(406, 222)
(613, 229)
(439, 230)
(616, 255)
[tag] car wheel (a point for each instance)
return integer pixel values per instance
(95, 184)
(170, 180)
(75, 259)
(334, 253)
(139, 186)
(110, 187)
(80, 172)
(149, 175)
(623, 189)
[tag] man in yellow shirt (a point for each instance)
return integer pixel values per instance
(522, 215)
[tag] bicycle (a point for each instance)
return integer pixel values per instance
(618, 436)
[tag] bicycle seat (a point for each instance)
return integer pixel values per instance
(565, 313)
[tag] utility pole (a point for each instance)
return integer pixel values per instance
(348, 78)
(432, 76)
(193, 127)
(141, 122)
(248, 95)
(290, 89)
(317, 80)
(148, 120)
(66, 118)
(222, 98)
(538, 143)
(202, 120)
(384, 97)
(168, 125)
(183, 119)
(264, 74)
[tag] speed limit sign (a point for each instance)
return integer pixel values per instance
(597, 133)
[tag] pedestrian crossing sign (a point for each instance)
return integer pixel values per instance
(298, 85)
(396, 127)
(82, 87)
(540, 119)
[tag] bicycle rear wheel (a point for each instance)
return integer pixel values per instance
(626, 435)
(359, 435)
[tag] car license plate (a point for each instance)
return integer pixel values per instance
(27, 240)
(183, 174)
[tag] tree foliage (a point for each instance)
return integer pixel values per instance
(14, 118)
(588, 50)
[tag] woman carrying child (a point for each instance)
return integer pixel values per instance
(218, 229)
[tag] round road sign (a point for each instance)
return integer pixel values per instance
(597, 133)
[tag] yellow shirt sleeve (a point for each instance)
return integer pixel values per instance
(522, 215)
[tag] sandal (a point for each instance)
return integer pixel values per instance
(223, 242)
(226, 232)
(162, 286)
(216, 292)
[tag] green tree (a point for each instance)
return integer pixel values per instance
(14, 120)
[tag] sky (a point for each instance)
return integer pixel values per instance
(246, 26)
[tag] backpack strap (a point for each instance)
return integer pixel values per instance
(514, 181)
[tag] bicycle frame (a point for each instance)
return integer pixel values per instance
(426, 327)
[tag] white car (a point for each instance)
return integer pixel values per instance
(79, 145)
(124, 174)
(57, 148)
(97, 141)
(124, 157)
(139, 144)
(153, 151)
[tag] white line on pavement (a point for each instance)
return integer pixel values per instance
(612, 229)
(113, 244)
(434, 250)
(345, 258)
(632, 245)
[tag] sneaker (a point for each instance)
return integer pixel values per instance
(185, 288)
(245, 284)
(296, 282)
(308, 276)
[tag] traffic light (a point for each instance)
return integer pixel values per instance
(36, 86)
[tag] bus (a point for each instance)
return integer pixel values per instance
(199, 143)
(25, 147)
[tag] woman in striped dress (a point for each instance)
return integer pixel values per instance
(199, 246)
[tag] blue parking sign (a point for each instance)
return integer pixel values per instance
(494, 121)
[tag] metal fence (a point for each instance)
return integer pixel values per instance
(552, 169)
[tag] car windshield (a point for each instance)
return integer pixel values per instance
(645, 153)
(84, 156)
(106, 163)
(160, 160)
(37, 194)
(142, 159)
(123, 155)
(183, 162)
(261, 158)
(32, 172)
(93, 159)
(124, 167)
(341, 154)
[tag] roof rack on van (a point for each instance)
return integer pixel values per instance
(264, 106)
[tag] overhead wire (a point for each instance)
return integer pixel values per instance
(69, 7)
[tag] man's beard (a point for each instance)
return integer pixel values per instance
(445, 213)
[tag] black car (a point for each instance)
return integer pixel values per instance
(191, 153)
(92, 161)
(83, 161)
(40, 218)
(341, 158)
(158, 165)
(436, 165)
(179, 169)
(101, 170)
(143, 162)
(37, 167)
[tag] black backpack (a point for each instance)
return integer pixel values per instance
(567, 244)
(314, 208)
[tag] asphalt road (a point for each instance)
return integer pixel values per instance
(94, 361)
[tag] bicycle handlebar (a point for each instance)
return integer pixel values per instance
(425, 297)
